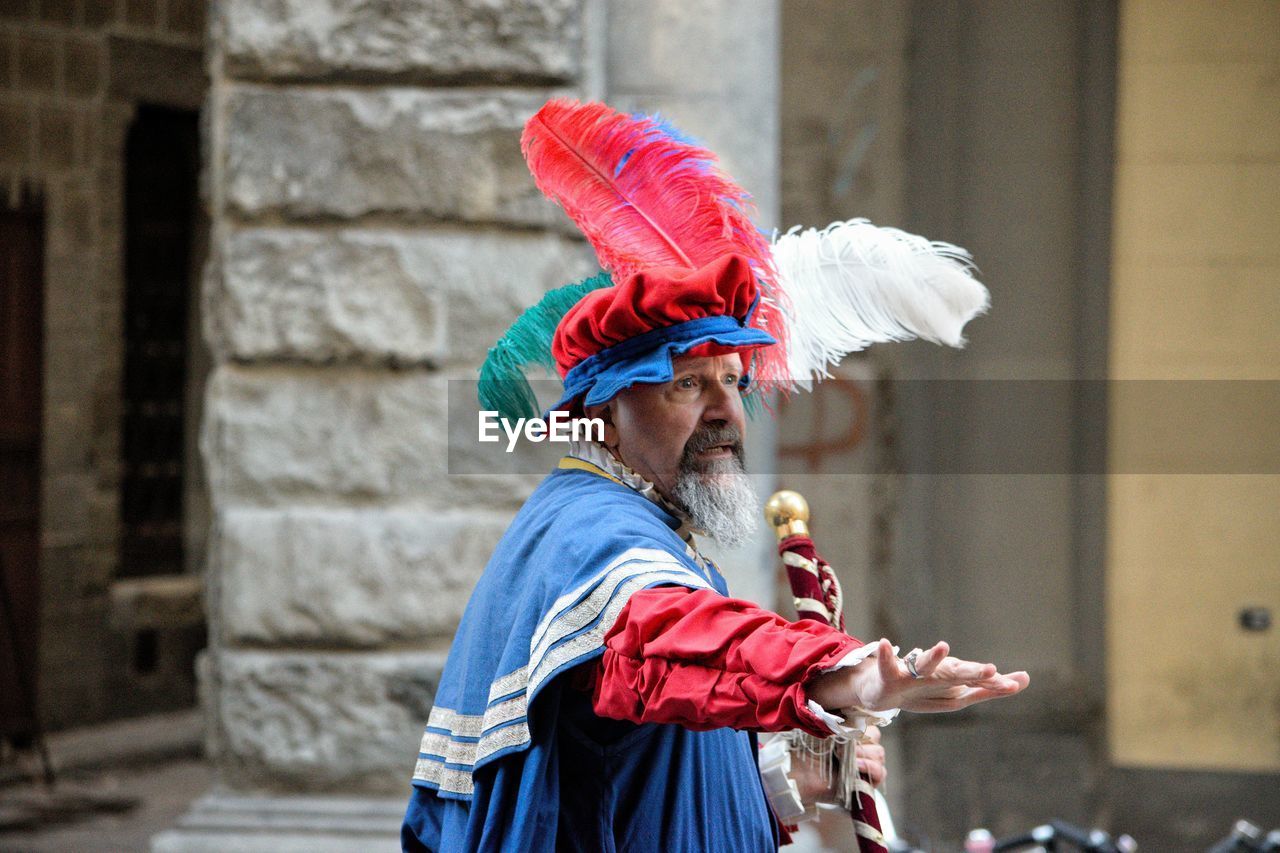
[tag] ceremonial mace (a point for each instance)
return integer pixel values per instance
(817, 594)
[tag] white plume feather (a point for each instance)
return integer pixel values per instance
(853, 284)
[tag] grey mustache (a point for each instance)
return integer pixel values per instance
(708, 438)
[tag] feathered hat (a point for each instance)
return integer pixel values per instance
(688, 273)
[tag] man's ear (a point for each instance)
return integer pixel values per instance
(605, 413)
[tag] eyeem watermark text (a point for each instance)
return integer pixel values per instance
(561, 426)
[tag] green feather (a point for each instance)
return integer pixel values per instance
(503, 387)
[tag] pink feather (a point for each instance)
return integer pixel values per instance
(668, 205)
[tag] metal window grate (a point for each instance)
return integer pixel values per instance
(161, 169)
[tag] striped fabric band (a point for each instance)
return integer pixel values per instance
(453, 743)
(790, 558)
(812, 605)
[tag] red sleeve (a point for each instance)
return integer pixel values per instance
(704, 661)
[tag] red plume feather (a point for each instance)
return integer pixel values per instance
(646, 199)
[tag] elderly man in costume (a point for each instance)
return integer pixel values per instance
(604, 691)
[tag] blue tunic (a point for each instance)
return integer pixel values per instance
(513, 758)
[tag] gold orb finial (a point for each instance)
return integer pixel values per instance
(787, 513)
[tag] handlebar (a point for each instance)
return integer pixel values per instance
(1050, 834)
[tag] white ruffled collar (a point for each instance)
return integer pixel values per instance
(598, 455)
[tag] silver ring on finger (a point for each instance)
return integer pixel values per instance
(910, 661)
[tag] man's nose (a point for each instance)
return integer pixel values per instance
(721, 403)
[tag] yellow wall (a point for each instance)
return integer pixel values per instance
(1196, 295)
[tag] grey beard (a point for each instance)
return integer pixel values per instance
(720, 501)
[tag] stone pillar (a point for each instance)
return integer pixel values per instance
(711, 67)
(373, 230)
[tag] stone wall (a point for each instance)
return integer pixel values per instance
(374, 229)
(71, 76)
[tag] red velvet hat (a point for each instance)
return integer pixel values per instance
(618, 336)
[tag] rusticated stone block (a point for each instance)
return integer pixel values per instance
(157, 602)
(274, 435)
(420, 40)
(359, 577)
(341, 153)
(278, 432)
(407, 297)
(302, 294)
(491, 279)
(317, 722)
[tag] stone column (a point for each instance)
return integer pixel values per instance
(373, 230)
(711, 67)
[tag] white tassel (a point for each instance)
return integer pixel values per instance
(822, 754)
(853, 284)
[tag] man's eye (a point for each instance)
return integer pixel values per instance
(731, 379)
(686, 383)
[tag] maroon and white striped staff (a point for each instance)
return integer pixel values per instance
(816, 591)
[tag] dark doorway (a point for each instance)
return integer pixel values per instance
(21, 387)
(161, 173)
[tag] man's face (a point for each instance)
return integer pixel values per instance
(695, 419)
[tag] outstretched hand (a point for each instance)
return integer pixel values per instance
(883, 681)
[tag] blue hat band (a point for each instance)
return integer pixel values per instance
(646, 359)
